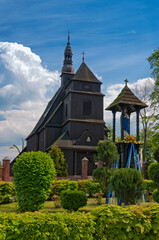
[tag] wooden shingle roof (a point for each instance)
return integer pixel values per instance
(126, 98)
(85, 74)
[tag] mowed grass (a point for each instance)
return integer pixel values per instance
(49, 207)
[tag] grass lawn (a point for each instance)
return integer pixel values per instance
(50, 208)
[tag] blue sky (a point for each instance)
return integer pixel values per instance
(117, 37)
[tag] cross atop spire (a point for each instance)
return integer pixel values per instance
(68, 36)
(83, 53)
(126, 81)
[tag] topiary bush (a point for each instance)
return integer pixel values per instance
(153, 172)
(73, 200)
(33, 173)
(59, 161)
(128, 184)
(7, 192)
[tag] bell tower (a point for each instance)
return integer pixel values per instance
(67, 69)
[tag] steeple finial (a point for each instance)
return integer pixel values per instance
(68, 36)
(126, 81)
(83, 53)
(67, 64)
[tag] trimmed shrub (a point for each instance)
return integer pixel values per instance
(155, 195)
(128, 184)
(105, 222)
(90, 187)
(60, 185)
(73, 200)
(43, 226)
(33, 174)
(133, 222)
(153, 172)
(7, 192)
(59, 161)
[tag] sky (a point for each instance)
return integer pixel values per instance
(116, 36)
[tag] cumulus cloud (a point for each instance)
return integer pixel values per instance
(25, 87)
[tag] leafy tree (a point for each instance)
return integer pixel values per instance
(33, 173)
(102, 176)
(147, 114)
(107, 153)
(59, 161)
(127, 183)
(154, 64)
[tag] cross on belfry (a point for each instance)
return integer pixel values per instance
(83, 53)
(126, 81)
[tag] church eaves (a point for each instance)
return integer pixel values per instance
(85, 74)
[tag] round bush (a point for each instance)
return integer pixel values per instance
(127, 183)
(73, 200)
(33, 173)
(153, 172)
(155, 195)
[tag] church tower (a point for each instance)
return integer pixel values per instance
(67, 69)
(73, 118)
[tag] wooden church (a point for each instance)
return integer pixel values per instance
(73, 119)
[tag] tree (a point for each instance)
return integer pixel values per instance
(59, 161)
(33, 173)
(154, 64)
(147, 114)
(127, 183)
(107, 153)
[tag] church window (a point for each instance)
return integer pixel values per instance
(87, 105)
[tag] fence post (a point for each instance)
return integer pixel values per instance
(6, 169)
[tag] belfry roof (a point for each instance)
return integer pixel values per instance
(126, 98)
(85, 74)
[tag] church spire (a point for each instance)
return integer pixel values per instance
(67, 64)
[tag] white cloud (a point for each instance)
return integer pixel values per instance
(23, 95)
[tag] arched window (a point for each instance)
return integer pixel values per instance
(87, 107)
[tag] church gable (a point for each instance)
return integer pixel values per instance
(85, 74)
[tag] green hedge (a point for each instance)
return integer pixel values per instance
(106, 222)
(61, 185)
(7, 192)
(41, 226)
(90, 187)
(133, 222)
